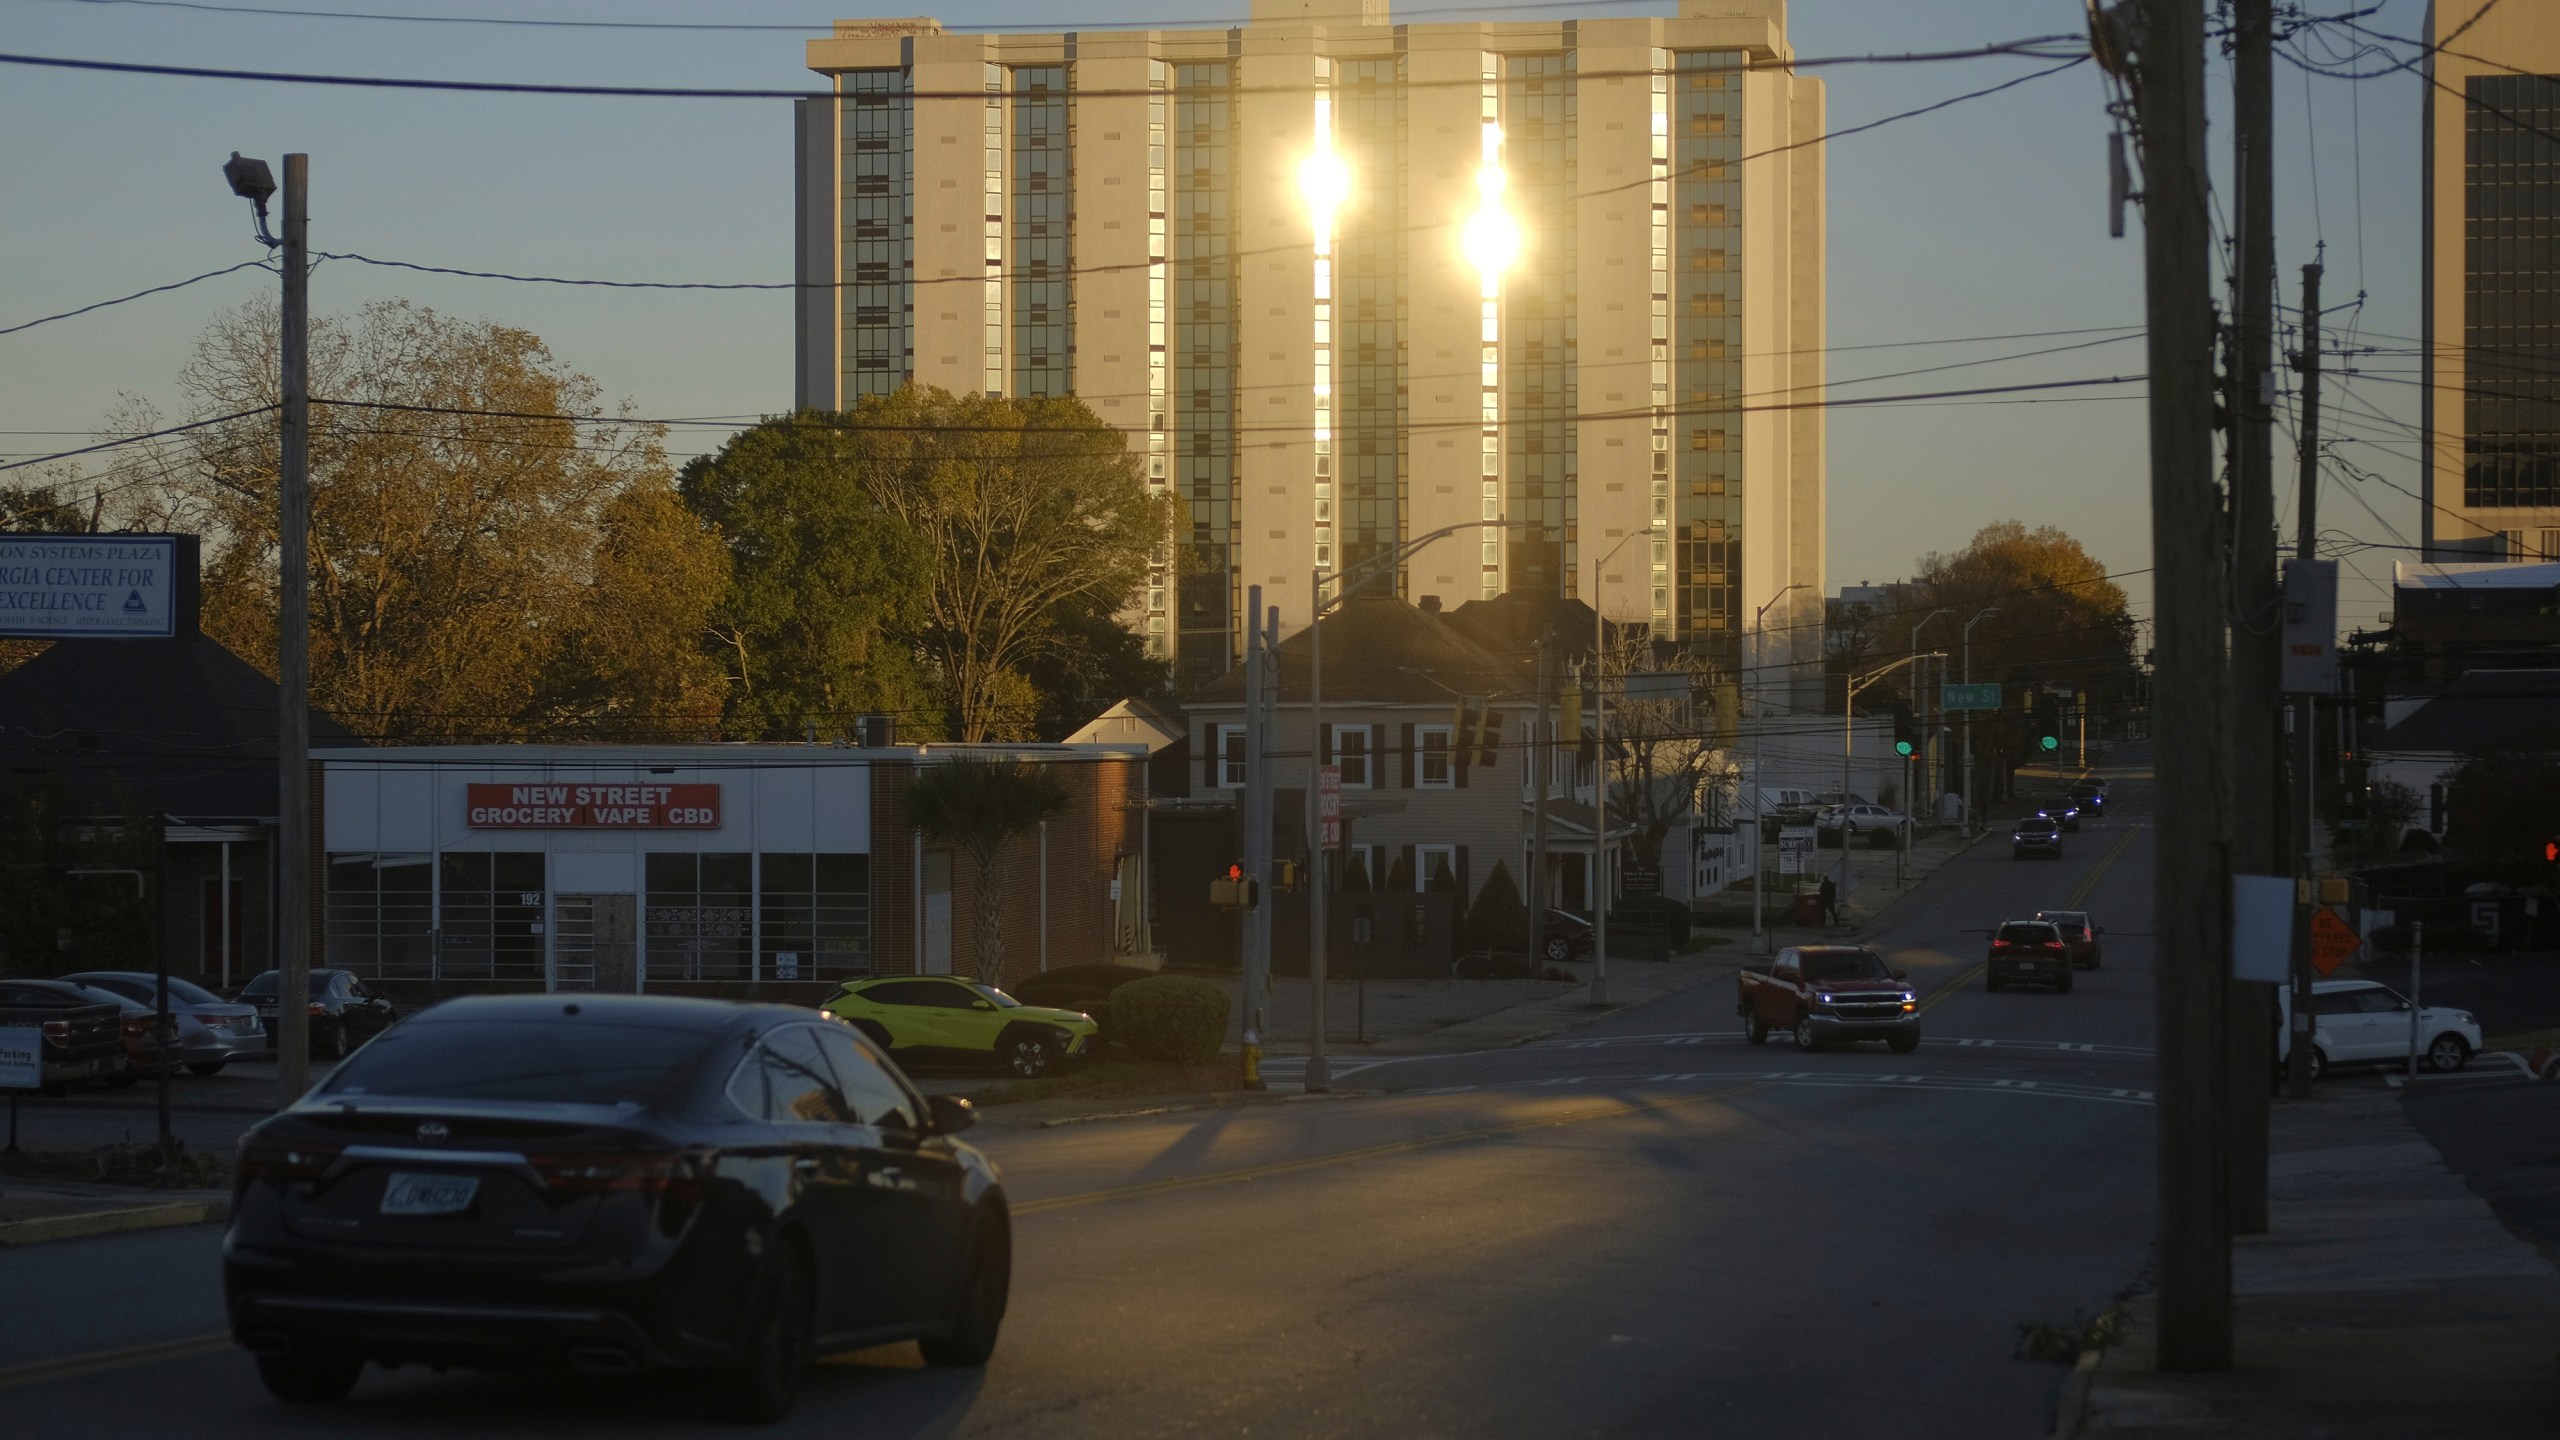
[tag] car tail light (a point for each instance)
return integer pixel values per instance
(57, 1029)
(676, 1177)
(319, 1009)
(1999, 944)
(137, 1024)
(2053, 944)
(265, 1158)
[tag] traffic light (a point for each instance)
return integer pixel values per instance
(1906, 731)
(1234, 890)
(2048, 731)
(2551, 852)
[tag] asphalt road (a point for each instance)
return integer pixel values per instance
(1648, 1228)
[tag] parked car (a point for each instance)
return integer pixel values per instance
(927, 1018)
(2090, 796)
(1786, 805)
(211, 1032)
(1827, 993)
(2035, 835)
(344, 1014)
(83, 1033)
(2356, 1022)
(2029, 951)
(1568, 936)
(2061, 811)
(2079, 935)
(607, 1183)
(1879, 825)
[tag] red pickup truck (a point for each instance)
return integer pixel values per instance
(1824, 993)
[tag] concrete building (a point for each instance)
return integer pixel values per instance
(2491, 408)
(1345, 282)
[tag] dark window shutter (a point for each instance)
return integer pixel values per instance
(1377, 757)
(1404, 757)
(1419, 879)
(1209, 757)
(1465, 894)
(1324, 744)
(1460, 752)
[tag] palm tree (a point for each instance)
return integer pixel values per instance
(978, 805)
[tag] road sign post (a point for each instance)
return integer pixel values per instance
(2333, 940)
(1985, 696)
(1329, 806)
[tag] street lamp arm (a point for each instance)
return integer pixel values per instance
(1349, 582)
(1861, 682)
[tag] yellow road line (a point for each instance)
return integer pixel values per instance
(1368, 1152)
(2079, 893)
(37, 1372)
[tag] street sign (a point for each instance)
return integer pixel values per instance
(1671, 685)
(1329, 805)
(1795, 849)
(2332, 940)
(21, 1057)
(1985, 696)
(56, 587)
(2311, 627)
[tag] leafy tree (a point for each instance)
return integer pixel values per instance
(1399, 875)
(978, 805)
(465, 528)
(823, 583)
(1091, 662)
(38, 508)
(1031, 510)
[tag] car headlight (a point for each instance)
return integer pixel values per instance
(1825, 999)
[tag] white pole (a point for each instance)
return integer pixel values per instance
(2417, 945)
(1044, 894)
(226, 917)
(1599, 795)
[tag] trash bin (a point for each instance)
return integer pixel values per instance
(1808, 910)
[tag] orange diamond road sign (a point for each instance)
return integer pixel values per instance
(2332, 941)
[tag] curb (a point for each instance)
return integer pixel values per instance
(112, 1222)
(1239, 1101)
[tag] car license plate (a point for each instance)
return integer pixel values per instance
(429, 1194)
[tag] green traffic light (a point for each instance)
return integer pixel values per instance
(1902, 747)
(2050, 742)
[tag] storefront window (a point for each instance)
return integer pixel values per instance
(816, 915)
(491, 919)
(699, 923)
(380, 916)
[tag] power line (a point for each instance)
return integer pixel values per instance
(133, 439)
(2039, 48)
(138, 294)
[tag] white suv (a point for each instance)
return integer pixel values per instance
(2361, 1021)
(1874, 821)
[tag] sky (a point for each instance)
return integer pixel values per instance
(1988, 218)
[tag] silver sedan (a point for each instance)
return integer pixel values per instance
(212, 1032)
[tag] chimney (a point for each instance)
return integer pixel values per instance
(1430, 604)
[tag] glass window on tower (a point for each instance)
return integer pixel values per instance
(1202, 343)
(1540, 378)
(1706, 351)
(877, 299)
(1369, 310)
(1043, 314)
(2511, 291)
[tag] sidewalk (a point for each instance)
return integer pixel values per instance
(34, 1210)
(2386, 1301)
(1437, 1017)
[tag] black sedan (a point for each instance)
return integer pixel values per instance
(344, 1014)
(1568, 936)
(612, 1183)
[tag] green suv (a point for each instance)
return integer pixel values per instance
(929, 1018)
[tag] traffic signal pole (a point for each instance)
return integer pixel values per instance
(1254, 816)
(2297, 1070)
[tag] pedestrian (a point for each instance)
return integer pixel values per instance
(1830, 896)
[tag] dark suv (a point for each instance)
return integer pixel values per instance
(2036, 835)
(608, 1183)
(2032, 951)
(2090, 796)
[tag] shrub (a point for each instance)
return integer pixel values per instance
(1498, 921)
(1169, 1017)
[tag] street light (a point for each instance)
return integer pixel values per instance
(1849, 733)
(1600, 780)
(1984, 614)
(1919, 694)
(1347, 582)
(1759, 709)
(251, 181)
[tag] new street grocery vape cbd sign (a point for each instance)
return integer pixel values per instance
(64, 587)
(548, 806)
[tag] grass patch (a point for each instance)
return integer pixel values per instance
(1113, 1079)
(2063, 1344)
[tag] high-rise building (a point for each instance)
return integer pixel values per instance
(1344, 283)
(2491, 406)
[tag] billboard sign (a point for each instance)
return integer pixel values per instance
(71, 587)
(21, 1057)
(1329, 806)
(546, 805)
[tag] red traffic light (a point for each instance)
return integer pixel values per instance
(2551, 852)
(1236, 871)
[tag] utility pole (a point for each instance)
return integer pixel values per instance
(1253, 817)
(2257, 629)
(2297, 823)
(1541, 761)
(1319, 1065)
(2192, 889)
(293, 652)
